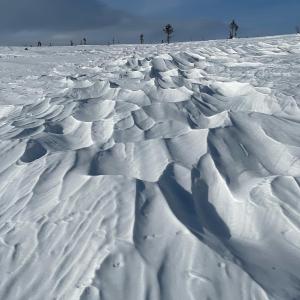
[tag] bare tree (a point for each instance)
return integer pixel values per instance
(233, 29)
(168, 30)
(142, 38)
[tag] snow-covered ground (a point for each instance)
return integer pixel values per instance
(151, 172)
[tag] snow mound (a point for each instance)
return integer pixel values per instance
(151, 172)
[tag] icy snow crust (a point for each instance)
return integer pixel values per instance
(151, 172)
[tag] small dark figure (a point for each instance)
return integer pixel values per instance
(233, 29)
(39, 44)
(142, 39)
(168, 30)
(298, 29)
(26, 49)
(71, 43)
(84, 41)
(113, 41)
(50, 44)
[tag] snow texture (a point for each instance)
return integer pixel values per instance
(151, 172)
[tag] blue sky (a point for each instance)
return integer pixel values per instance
(58, 21)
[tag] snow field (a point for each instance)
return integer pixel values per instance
(151, 172)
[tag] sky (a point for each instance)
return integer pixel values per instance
(24, 22)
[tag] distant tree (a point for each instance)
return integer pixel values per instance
(84, 41)
(168, 30)
(233, 29)
(39, 44)
(142, 38)
(71, 43)
(298, 29)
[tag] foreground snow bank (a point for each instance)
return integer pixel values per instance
(151, 172)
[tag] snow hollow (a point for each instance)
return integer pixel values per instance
(151, 172)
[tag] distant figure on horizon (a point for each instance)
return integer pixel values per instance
(71, 43)
(298, 29)
(168, 30)
(84, 41)
(233, 29)
(142, 38)
(39, 44)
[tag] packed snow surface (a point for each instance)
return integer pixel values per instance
(151, 172)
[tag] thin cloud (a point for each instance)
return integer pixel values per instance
(66, 15)
(58, 21)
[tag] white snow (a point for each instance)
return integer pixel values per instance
(151, 172)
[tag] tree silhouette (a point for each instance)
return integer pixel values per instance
(71, 43)
(168, 30)
(142, 38)
(233, 29)
(84, 41)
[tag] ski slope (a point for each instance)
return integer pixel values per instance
(151, 172)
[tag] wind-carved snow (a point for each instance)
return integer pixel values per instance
(151, 172)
